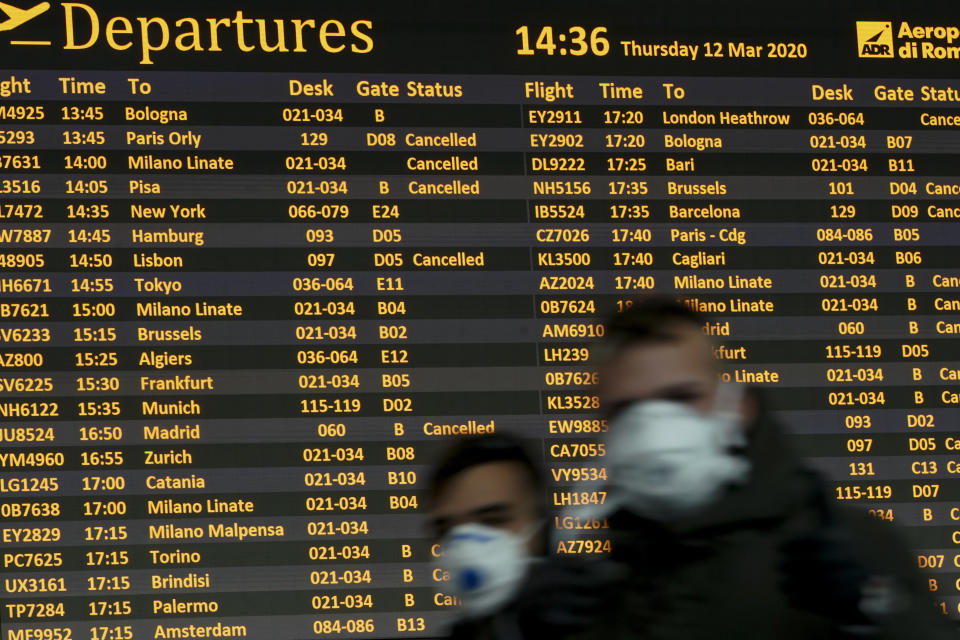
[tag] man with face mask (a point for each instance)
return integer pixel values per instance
(726, 533)
(487, 515)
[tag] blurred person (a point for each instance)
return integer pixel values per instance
(488, 516)
(726, 533)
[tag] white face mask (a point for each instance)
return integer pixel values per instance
(486, 566)
(666, 459)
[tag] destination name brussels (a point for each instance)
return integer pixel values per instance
(150, 35)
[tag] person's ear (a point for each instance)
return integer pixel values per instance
(748, 408)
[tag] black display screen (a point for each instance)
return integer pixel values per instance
(261, 262)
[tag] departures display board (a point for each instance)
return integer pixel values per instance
(260, 262)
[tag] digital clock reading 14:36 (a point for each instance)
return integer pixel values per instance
(575, 41)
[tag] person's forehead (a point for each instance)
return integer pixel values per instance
(689, 355)
(483, 484)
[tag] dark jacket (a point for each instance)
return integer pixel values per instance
(721, 574)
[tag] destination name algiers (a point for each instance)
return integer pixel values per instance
(162, 359)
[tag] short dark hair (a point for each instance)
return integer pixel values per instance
(472, 451)
(652, 318)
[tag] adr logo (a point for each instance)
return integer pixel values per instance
(874, 39)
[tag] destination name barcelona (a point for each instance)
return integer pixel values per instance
(149, 35)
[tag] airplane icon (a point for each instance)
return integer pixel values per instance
(16, 17)
(876, 37)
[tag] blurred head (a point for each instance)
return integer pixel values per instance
(487, 514)
(657, 350)
(673, 427)
(488, 480)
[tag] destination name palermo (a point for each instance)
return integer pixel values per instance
(180, 607)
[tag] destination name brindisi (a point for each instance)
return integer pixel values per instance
(148, 35)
